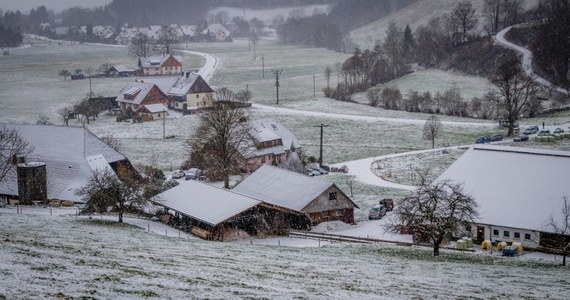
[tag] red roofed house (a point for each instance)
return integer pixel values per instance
(143, 99)
(160, 65)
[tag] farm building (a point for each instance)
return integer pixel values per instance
(518, 190)
(142, 98)
(273, 144)
(215, 213)
(63, 160)
(188, 91)
(120, 71)
(160, 65)
(151, 112)
(319, 200)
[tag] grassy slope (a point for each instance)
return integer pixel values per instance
(71, 258)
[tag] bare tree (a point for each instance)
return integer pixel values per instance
(65, 113)
(43, 119)
(105, 68)
(513, 90)
(12, 145)
(373, 97)
(561, 240)
(221, 142)
(168, 38)
(243, 96)
(225, 95)
(105, 190)
(64, 73)
(435, 212)
(464, 17)
(432, 129)
(141, 45)
(492, 10)
(328, 73)
(112, 142)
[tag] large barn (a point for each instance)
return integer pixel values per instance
(318, 199)
(63, 160)
(518, 190)
(220, 214)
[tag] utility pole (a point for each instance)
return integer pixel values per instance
(262, 65)
(321, 145)
(314, 88)
(164, 124)
(277, 72)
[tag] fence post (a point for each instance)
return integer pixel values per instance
(148, 227)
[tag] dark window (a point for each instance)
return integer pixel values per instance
(495, 232)
(332, 196)
(517, 235)
(527, 236)
(506, 233)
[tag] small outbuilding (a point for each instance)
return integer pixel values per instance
(318, 199)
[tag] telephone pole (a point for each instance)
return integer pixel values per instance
(321, 145)
(277, 72)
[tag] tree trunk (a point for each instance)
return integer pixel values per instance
(121, 217)
(436, 249)
(226, 182)
(564, 259)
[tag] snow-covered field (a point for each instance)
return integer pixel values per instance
(73, 257)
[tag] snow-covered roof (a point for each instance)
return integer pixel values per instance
(181, 85)
(268, 130)
(209, 204)
(514, 187)
(156, 108)
(281, 187)
(70, 154)
(139, 90)
(122, 68)
(214, 28)
(155, 61)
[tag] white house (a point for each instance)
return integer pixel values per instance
(517, 189)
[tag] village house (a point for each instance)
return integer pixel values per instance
(63, 160)
(273, 144)
(143, 99)
(217, 32)
(190, 92)
(517, 191)
(120, 71)
(160, 65)
(318, 199)
(219, 214)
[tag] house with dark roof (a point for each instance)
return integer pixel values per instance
(160, 65)
(318, 199)
(64, 157)
(518, 190)
(120, 71)
(143, 99)
(272, 144)
(216, 213)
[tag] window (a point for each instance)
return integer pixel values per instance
(332, 196)
(495, 232)
(156, 69)
(527, 236)
(197, 96)
(506, 233)
(339, 212)
(517, 235)
(159, 115)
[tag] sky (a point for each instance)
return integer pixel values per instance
(56, 5)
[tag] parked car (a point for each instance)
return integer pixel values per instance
(544, 133)
(496, 138)
(377, 212)
(558, 131)
(177, 174)
(521, 138)
(320, 170)
(193, 174)
(483, 140)
(312, 172)
(387, 203)
(530, 130)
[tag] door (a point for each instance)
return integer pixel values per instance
(480, 233)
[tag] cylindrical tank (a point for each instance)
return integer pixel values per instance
(32, 182)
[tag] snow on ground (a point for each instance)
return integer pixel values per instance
(268, 15)
(78, 257)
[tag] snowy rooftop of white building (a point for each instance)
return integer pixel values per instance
(514, 187)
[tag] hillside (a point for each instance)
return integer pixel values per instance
(415, 14)
(87, 258)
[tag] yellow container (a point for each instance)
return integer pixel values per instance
(486, 245)
(518, 246)
(501, 245)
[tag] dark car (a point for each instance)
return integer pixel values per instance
(483, 140)
(377, 212)
(558, 131)
(544, 133)
(521, 138)
(496, 138)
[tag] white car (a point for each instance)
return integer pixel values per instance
(177, 174)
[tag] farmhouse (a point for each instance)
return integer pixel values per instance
(518, 190)
(160, 65)
(215, 213)
(142, 99)
(217, 32)
(186, 92)
(273, 144)
(319, 200)
(63, 160)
